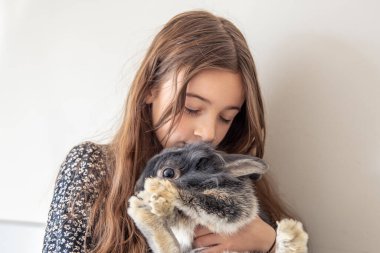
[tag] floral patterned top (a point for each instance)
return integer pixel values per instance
(78, 179)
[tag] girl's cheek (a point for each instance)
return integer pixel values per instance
(221, 132)
(184, 127)
(184, 130)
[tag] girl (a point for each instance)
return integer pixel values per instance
(197, 82)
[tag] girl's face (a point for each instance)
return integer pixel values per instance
(213, 98)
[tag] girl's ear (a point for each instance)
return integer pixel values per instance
(244, 165)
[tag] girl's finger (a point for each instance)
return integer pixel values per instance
(215, 249)
(201, 231)
(207, 240)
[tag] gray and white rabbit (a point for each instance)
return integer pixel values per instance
(182, 187)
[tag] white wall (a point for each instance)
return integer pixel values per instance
(65, 67)
(21, 237)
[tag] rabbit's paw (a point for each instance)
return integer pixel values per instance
(163, 196)
(137, 209)
(147, 222)
(291, 237)
(142, 215)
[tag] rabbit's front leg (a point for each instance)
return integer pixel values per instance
(154, 228)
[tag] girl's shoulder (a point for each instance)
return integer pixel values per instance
(84, 167)
(86, 158)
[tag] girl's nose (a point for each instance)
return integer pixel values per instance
(206, 131)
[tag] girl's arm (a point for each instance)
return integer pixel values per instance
(75, 189)
(257, 236)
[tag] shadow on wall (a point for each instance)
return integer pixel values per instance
(323, 118)
(21, 237)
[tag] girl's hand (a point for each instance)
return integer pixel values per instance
(257, 235)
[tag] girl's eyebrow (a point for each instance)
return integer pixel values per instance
(188, 94)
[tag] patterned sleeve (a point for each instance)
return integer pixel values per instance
(76, 187)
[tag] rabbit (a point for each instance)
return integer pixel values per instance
(182, 187)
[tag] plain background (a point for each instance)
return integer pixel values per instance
(65, 69)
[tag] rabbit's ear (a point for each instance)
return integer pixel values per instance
(244, 165)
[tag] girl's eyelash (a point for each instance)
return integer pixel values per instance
(227, 121)
(191, 111)
(196, 112)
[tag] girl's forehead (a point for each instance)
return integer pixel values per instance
(217, 87)
(214, 87)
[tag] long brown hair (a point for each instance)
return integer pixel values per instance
(190, 42)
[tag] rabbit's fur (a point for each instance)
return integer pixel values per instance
(182, 187)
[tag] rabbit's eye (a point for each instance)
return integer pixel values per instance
(168, 173)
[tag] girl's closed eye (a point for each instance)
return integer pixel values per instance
(196, 112)
(227, 121)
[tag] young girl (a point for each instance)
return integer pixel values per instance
(197, 82)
